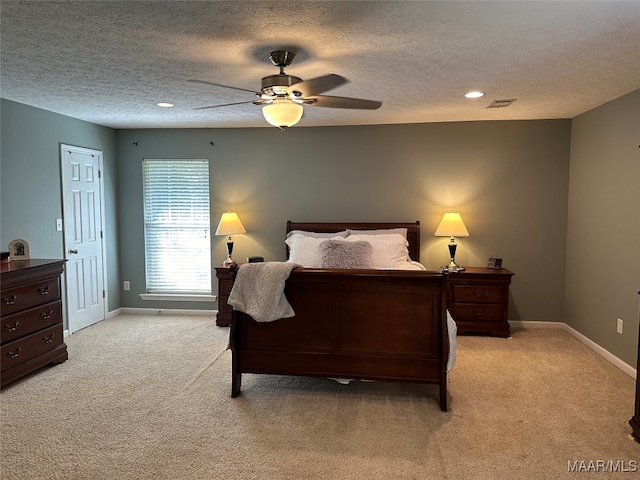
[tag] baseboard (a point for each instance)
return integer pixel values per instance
(168, 311)
(606, 354)
(113, 313)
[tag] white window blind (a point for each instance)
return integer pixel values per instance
(177, 228)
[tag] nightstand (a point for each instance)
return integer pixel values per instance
(225, 283)
(478, 300)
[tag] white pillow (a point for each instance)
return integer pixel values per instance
(382, 231)
(305, 250)
(316, 234)
(390, 251)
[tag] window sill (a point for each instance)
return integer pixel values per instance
(177, 297)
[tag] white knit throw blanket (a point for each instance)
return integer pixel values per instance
(258, 290)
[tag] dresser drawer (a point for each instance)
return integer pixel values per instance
(478, 294)
(19, 351)
(31, 320)
(478, 312)
(20, 298)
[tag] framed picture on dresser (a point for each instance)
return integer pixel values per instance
(19, 249)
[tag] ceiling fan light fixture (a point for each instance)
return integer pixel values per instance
(282, 113)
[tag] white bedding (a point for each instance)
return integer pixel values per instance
(453, 343)
(389, 251)
(258, 290)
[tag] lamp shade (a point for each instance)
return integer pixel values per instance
(230, 224)
(451, 225)
(282, 112)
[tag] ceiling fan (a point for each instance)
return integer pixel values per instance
(282, 96)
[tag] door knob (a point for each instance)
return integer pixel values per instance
(73, 252)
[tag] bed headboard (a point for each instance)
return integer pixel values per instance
(413, 230)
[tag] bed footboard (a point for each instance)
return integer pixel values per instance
(360, 324)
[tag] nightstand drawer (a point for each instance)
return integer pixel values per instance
(479, 294)
(478, 299)
(478, 312)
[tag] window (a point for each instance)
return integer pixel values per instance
(177, 226)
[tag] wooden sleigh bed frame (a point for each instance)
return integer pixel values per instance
(384, 325)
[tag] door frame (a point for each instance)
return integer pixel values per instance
(103, 236)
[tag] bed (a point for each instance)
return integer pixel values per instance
(351, 323)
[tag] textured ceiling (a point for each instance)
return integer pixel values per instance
(110, 62)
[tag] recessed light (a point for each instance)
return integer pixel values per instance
(164, 104)
(474, 94)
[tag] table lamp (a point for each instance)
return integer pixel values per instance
(229, 225)
(452, 226)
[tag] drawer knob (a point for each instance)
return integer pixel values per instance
(479, 293)
(12, 328)
(44, 290)
(48, 339)
(10, 300)
(479, 313)
(14, 354)
(46, 315)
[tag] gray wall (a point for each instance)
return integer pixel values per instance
(508, 179)
(30, 189)
(603, 244)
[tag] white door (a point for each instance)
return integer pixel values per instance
(82, 210)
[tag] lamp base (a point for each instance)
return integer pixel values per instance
(455, 269)
(452, 267)
(229, 260)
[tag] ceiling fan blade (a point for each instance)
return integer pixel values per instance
(205, 82)
(316, 85)
(342, 102)
(257, 102)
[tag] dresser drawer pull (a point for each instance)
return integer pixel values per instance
(479, 294)
(46, 315)
(10, 300)
(479, 313)
(14, 354)
(44, 290)
(12, 328)
(48, 339)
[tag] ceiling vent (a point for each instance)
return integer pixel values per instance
(501, 103)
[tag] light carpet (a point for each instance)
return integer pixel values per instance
(148, 397)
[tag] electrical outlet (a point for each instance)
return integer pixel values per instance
(126, 286)
(619, 326)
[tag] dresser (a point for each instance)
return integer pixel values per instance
(31, 317)
(225, 283)
(478, 300)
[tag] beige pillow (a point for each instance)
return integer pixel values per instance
(343, 254)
